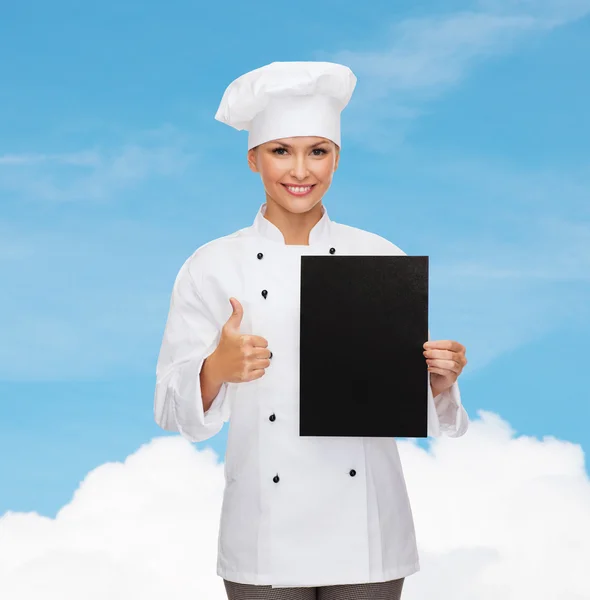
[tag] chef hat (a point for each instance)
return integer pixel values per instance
(288, 99)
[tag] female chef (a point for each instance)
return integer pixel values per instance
(302, 517)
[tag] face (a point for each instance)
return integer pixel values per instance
(296, 172)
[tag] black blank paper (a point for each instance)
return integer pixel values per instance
(364, 321)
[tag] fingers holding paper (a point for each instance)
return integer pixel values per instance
(446, 360)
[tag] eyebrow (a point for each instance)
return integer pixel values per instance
(312, 146)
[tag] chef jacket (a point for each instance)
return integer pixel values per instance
(296, 511)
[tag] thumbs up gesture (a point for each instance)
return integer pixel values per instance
(239, 358)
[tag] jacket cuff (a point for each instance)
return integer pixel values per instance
(192, 421)
(447, 414)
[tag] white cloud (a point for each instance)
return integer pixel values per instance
(516, 508)
(432, 53)
(497, 516)
(95, 174)
(422, 58)
(87, 158)
(547, 13)
(552, 251)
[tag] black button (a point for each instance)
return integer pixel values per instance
(332, 250)
(272, 417)
(264, 293)
(259, 255)
(276, 478)
(352, 472)
(270, 354)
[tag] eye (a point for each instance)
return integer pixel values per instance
(279, 151)
(320, 150)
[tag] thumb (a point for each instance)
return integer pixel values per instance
(235, 318)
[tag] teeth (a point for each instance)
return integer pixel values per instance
(298, 190)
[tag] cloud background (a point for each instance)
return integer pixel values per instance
(466, 140)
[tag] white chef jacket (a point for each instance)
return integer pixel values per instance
(297, 511)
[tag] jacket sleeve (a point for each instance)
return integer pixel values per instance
(446, 414)
(190, 336)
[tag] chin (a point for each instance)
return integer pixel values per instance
(298, 205)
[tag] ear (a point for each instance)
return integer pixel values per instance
(252, 156)
(337, 159)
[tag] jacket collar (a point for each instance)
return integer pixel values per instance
(264, 228)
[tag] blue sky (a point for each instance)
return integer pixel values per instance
(466, 140)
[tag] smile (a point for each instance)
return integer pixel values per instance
(298, 190)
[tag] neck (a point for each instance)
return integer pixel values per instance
(295, 227)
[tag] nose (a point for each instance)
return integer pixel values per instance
(299, 170)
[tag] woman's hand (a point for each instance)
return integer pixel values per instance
(238, 358)
(445, 360)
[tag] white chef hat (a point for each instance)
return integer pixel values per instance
(288, 99)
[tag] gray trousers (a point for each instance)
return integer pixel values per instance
(386, 590)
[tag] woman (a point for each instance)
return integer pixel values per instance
(321, 517)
